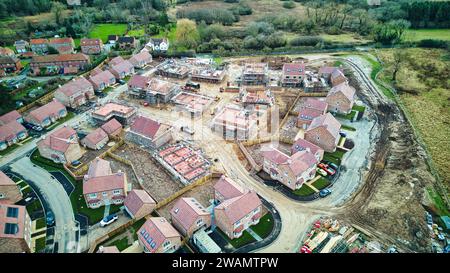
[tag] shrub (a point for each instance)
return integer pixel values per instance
(433, 43)
(288, 5)
(306, 41)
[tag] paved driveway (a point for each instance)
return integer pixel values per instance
(58, 200)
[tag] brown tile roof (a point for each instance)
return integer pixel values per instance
(64, 40)
(327, 121)
(48, 110)
(344, 88)
(124, 66)
(96, 136)
(136, 199)
(187, 210)
(228, 188)
(104, 183)
(59, 140)
(158, 229)
(116, 60)
(147, 127)
(238, 207)
(38, 41)
(294, 69)
(60, 58)
(138, 81)
(102, 77)
(143, 56)
(10, 116)
(98, 167)
(74, 86)
(111, 126)
(90, 42)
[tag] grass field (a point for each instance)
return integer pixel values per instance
(423, 34)
(103, 30)
(321, 183)
(265, 226)
(424, 90)
(305, 190)
(137, 32)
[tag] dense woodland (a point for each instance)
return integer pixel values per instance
(213, 29)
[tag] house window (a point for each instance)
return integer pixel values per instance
(146, 235)
(116, 192)
(199, 222)
(318, 137)
(152, 245)
(143, 232)
(2, 196)
(12, 212)
(176, 210)
(92, 195)
(166, 243)
(105, 194)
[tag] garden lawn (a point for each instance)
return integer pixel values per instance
(40, 223)
(335, 157)
(136, 32)
(305, 190)
(103, 30)
(348, 128)
(245, 239)
(34, 206)
(121, 244)
(265, 225)
(39, 244)
(321, 183)
(424, 34)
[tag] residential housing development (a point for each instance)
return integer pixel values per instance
(75, 93)
(157, 235)
(188, 215)
(103, 187)
(148, 133)
(15, 229)
(341, 98)
(47, 114)
(324, 132)
(61, 146)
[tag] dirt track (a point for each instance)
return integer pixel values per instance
(389, 204)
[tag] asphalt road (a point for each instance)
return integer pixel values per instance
(55, 195)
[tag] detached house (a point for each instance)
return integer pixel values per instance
(141, 59)
(341, 98)
(226, 188)
(59, 64)
(9, 190)
(15, 229)
(61, 146)
(122, 70)
(9, 64)
(116, 60)
(291, 171)
(157, 235)
(337, 77)
(148, 133)
(102, 80)
(75, 93)
(293, 74)
(11, 133)
(63, 45)
(324, 132)
(39, 46)
(310, 109)
(21, 46)
(304, 145)
(101, 186)
(47, 114)
(4, 51)
(95, 140)
(255, 74)
(139, 203)
(188, 216)
(121, 113)
(235, 215)
(158, 45)
(127, 42)
(11, 116)
(112, 127)
(91, 46)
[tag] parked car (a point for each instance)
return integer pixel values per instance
(321, 172)
(305, 249)
(50, 218)
(122, 82)
(28, 125)
(108, 220)
(37, 128)
(326, 168)
(324, 193)
(343, 134)
(193, 85)
(332, 165)
(75, 163)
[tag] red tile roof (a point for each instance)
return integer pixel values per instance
(327, 121)
(74, 86)
(136, 199)
(158, 230)
(228, 188)
(104, 183)
(5, 180)
(10, 116)
(102, 77)
(98, 167)
(347, 90)
(90, 42)
(301, 145)
(238, 207)
(64, 40)
(96, 136)
(186, 211)
(50, 109)
(145, 126)
(59, 139)
(138, 81)
(60, 58)
(19, 232)
(38, 41)
(111, 126)
(124, 66)
(142, 56)
(116, 60)
(10, 130)
(294, 69)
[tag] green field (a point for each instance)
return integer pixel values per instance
(305, 190)
(423, 34)
(103, 30)
(265, 226)
(137, 32)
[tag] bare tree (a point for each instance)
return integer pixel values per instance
(399, 60)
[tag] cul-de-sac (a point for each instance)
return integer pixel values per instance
(224, 126)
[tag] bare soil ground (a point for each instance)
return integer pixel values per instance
(155, 179)
(119, 166)
(391, 201)
(289, 129)
(203, 194)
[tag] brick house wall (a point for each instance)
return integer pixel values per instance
(338, 102)
(234, 230)
(10, 193)
(115, 196)
(285, 175)
(322, 138)
(148, 142)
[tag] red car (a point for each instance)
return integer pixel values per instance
(305, 249)
(325, 167)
